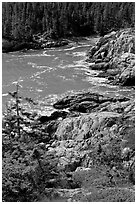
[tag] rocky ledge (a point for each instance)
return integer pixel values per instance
(114, 56)
(93, 119)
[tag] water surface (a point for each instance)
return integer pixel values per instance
(46, 75)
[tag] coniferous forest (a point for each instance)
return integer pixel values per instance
(20, 20)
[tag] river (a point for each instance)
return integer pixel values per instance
(46, 75)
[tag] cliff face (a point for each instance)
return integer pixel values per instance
(114, 54)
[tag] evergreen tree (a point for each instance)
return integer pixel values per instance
(20, 20)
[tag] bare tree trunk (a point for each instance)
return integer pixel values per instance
(17, 109)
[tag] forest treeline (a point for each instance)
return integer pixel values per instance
(20, 20)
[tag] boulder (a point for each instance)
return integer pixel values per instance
(84, 106)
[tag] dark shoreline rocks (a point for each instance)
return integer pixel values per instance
(114, 55)
(86, 102)
(54, 116)
(12, 46)
(38, 41)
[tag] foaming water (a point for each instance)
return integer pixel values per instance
(46, 75)
(71, 48)
(75, 54)
(43, 54)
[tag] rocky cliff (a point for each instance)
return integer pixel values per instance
(114, 55)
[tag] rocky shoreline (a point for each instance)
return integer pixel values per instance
(89, 139)
(114, 56)
(12, 46)
(38, 41)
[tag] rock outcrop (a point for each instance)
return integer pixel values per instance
(90, 145)
(110, 117)
(114, 54)
(91, 120)
(86, 102)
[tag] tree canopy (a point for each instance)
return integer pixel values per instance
(20, 20)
